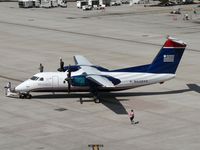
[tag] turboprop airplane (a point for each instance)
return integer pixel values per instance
(86, 77)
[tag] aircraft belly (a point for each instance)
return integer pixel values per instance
(77, 89)
(60, 89)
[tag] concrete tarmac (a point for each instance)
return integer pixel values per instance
(123, 36)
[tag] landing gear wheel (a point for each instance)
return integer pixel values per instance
(22, 96)
(96, 100)
(81, 100)
(28, 96)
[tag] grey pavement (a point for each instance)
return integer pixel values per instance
(123, 36)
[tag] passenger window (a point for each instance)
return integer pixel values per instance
(41, 79)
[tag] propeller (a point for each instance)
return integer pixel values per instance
(68, 79)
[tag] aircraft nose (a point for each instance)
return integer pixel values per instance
(21, 87)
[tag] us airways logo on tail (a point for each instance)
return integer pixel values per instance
(168, 58)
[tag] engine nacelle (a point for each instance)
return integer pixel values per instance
(79, 81)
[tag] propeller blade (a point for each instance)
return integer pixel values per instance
(69, 74)
(69, 78)
(69, 86)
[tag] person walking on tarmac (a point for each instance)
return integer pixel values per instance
(131, 116)
(41, 68)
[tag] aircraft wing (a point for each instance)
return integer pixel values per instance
(100, 80)
(95, 75)
(82, 61)
(92, 73)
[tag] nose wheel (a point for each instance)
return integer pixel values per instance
(28, 96)
(25, 96)
(96, 99)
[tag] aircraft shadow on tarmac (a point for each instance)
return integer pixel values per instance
(110, 101)
(194, 87)
(113, 103)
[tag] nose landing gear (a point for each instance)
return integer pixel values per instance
(25, 96)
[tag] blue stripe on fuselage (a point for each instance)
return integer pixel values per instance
(74, 68)
(166, 61)
(142, 68)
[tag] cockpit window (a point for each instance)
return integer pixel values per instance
(34, 78)
(41, 79)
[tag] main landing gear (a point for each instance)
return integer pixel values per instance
(95, 99)
(25, 96)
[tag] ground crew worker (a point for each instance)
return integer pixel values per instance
(7, 88)
(41, 68)
(61, 65)
(8, 85)
(195, 12)
(186, 17)
(131, 116)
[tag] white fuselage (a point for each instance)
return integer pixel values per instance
(55, 81)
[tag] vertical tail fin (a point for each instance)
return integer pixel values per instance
(167, 60)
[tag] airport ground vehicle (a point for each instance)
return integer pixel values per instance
(45, 4)
(93, 2)
(98, 7)
(175, 12)
(80, 4)
(62, 3)
(115, 3)
(104, 2)
(42, 3)
(25, 3)
(90, 4)
(36, 3)
(125, 1)
(87, 7)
